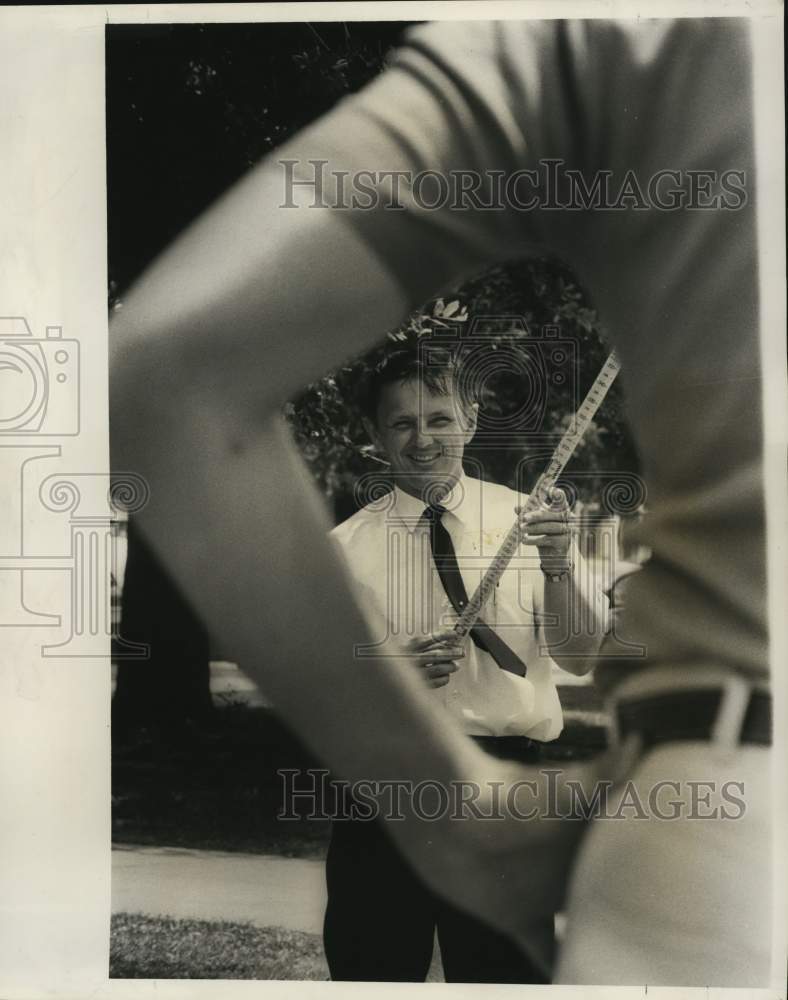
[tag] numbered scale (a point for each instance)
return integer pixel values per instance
(563, 452)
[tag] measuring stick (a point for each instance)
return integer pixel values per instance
(561, 456)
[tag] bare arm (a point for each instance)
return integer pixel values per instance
(578, 610)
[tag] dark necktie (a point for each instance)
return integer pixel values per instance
(445, 559)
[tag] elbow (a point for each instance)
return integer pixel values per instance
(579, 654)
(578, 664)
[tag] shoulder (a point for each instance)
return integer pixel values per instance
(497, 492)
(495, 497)
(361, 526)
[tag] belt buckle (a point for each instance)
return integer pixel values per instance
(727, 729)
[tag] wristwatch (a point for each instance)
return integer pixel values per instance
(557, 575)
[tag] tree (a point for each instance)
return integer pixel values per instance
(191, 107)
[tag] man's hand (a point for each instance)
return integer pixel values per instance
(548, 528)
(436, 656)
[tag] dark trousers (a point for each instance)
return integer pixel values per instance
(381, 918)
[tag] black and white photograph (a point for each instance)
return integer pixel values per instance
(393, 433)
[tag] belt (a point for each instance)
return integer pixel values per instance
(518, 748)
(691, 715)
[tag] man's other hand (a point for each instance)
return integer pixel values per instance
(436, 656)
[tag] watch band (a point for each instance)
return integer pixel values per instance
(557, 575)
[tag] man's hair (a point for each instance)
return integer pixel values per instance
(440, 376)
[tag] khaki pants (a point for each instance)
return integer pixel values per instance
(678, 902)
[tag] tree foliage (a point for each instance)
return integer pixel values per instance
(191, 107)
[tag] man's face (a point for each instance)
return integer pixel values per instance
(423, 434)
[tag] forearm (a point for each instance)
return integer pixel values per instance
(575, 619)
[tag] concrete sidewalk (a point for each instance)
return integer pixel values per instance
(262, 889)
(265, 890)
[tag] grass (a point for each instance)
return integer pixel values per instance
(144, 947)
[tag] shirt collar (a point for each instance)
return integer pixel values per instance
(461, 502)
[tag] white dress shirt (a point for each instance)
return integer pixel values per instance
(387, 548)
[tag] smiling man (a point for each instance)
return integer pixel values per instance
(415, 556)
